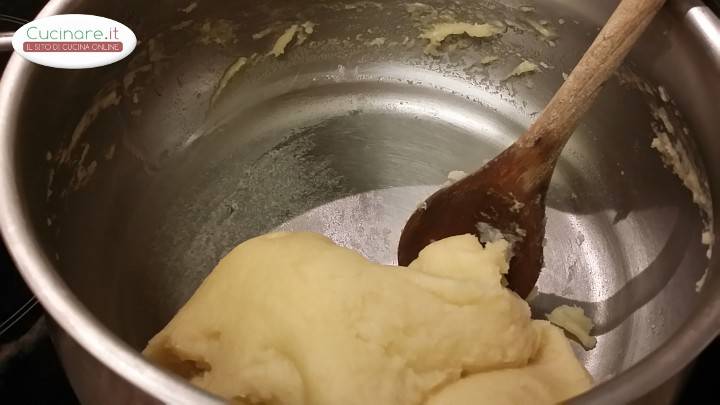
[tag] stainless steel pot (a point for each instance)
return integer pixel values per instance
(120, 187)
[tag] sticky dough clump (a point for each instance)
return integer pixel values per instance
(292, 318)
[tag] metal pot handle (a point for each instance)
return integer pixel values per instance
(6, 41)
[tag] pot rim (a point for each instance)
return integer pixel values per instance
(38, 270)
(56, 297)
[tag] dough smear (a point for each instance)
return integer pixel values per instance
(292, 318)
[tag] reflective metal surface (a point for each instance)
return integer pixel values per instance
(121, 187)
(5, 41)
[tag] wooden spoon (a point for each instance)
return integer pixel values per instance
(508, 193)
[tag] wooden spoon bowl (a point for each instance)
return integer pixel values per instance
(509, 192)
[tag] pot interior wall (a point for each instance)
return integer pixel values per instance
(345, 134)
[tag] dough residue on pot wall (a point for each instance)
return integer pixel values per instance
(103, 101)
(523, 68)
(292, 318)
(439, 32)
(263, 33)
(302, 31)
(230, 72)
(283, 40)
(673, 143)
(299, 32)
(677, 158)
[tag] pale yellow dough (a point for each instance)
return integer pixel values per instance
(291, 318)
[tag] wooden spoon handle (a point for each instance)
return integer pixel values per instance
(560, 117)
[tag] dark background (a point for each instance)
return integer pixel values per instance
(30, 372)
